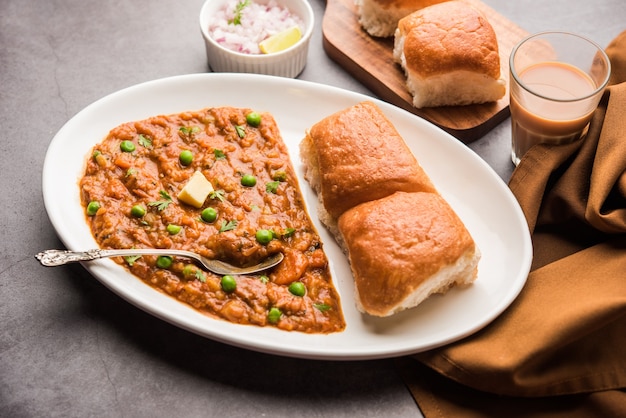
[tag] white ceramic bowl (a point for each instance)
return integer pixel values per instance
(287, 63)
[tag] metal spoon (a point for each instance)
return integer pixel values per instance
(60, 257)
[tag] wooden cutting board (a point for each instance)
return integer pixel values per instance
(370, 60)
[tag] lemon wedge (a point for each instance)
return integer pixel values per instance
(281, 40)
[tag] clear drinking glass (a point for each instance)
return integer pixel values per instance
(557, 80)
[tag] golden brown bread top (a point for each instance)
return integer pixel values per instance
(447, 37)
(406, 4)
(420, 234)
(362, 157)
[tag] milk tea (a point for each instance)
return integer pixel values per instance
(548, 113)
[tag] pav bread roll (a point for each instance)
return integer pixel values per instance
(403, 240)
(405, 247)
(449, 53)
(380, 17)
(357, 155)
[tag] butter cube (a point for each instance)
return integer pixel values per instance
(196, 190)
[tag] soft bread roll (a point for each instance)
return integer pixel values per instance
(403, 240)
(449, 53)
(405, 247)
(380, 17)
(357, 155)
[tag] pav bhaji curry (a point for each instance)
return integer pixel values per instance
(219, 182)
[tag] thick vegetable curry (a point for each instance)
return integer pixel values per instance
(131, 191)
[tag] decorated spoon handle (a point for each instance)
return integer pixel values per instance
(60, 257)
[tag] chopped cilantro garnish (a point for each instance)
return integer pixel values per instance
(236, 20)
(189, 130)
(288, 232)
(241, 130)
(322, 307)
(130, 259)
(217, 195)
(200, 276)
(219, 154)
(163, 203)
(228, 226)
(144, 141)
(130, 172)
(272, 186)
(264, 279)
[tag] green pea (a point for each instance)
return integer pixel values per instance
(137, 211)
(264, 236)
(229, 284)
(209, 215)
(127, 146)
(248, 180)
(189, 270)
(253, 119)
(93, 207)
(164, 261)
(185, 157)
(173, 229)
(274, 315)
(297, 289)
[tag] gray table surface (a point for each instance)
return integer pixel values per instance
(68, 346)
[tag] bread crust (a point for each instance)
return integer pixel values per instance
(380, 17)
(423, 248)
(450, 36)
(406, 4)
(357, 155)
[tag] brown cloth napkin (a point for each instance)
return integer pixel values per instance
(560, 348)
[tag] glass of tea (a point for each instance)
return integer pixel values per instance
(556, 82)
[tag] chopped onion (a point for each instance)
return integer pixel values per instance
(256, 22)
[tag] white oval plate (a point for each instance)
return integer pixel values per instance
(480, 197)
